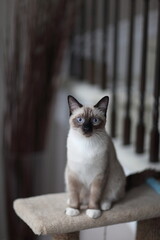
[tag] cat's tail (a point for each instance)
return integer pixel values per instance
(136, 179)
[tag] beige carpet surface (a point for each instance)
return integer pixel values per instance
(46, 214)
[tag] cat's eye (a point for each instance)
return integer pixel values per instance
(80, 120)
(95, 121)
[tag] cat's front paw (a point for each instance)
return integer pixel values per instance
(105, 205)
(93, 213)
(72, 212)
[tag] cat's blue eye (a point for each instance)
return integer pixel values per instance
(95, 121)
(80, 120)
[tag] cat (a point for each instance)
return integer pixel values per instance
(93, 175)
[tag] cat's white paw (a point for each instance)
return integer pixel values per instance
(72, 212)
(68, 201)
(105, 205)
(93, 213)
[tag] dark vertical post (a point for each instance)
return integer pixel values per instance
(78, 42)
(154, 138)
(93, 41)
(72, 56)
(127, 119)
(73, 48)
(115, 58)
(104, 43)
(140, 131)
(82, 43)
(148, 229)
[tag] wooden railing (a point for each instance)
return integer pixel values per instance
(87, 71)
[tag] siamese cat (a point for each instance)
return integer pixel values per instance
(93, 175)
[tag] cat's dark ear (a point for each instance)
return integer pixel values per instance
(73, 104)
(103, 104)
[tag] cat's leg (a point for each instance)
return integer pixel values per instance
(107, 199)
(84, 197)
(112, 193)
(73, 186)
(96, 189)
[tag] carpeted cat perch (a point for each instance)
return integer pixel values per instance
(45, 214)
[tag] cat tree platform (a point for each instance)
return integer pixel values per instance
(45, 214)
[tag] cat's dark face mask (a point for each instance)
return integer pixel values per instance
(87, 128)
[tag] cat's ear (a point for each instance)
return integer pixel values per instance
(73, 104)
(103, 104)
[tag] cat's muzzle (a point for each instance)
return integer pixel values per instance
(87, 129)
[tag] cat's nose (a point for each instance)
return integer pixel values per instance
(87, 128)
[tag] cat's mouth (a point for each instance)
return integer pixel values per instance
(87, 134)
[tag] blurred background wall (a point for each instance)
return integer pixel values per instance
(3, 225)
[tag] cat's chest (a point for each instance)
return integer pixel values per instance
(85, 150)
(86, 159)
(86, 172)
(86, 168)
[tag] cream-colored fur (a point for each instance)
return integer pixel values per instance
(86, 156)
